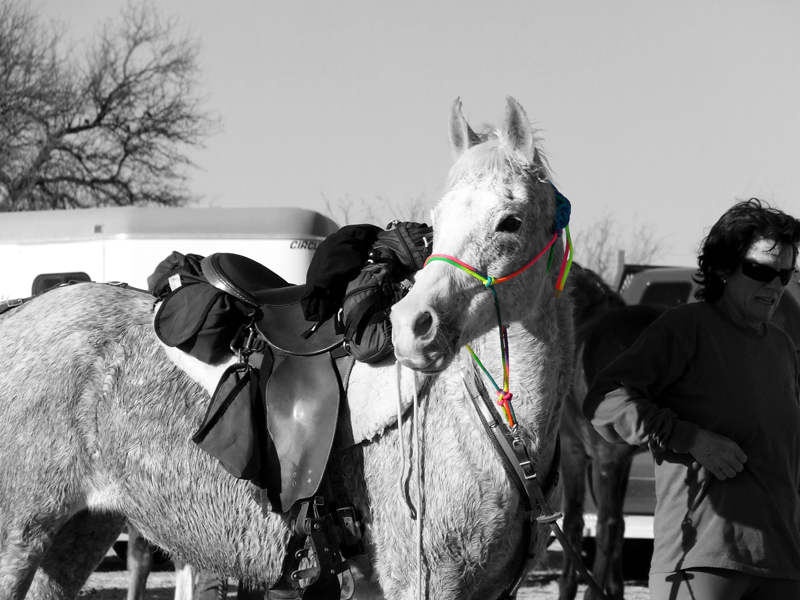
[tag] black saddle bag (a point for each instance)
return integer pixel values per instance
(233, 427)
(365, 313)
(396, 255)
(194, 316)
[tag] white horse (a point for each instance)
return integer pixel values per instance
(95, 421)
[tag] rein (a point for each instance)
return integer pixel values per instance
(518, 466)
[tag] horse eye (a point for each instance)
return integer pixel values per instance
(509, 225)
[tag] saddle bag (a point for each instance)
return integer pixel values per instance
(233, 428)
(365, 313)
(408, 243)
(194, 316)
(175, 271)
(396, 255)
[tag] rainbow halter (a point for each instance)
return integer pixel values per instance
(561, 225)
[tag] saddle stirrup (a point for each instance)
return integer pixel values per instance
(313, 556)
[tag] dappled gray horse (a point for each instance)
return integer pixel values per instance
(95, 420)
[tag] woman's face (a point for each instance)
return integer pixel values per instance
(751, 302)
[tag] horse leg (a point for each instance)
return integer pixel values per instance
(22, 550)
(208, 586)
(610, 480)
(74, 554)
(245, 593)
(185, 587)
(139, 562)
(573, 469)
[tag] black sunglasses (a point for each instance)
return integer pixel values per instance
(765, 274)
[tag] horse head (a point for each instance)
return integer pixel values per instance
(591, 295)
(497, 214)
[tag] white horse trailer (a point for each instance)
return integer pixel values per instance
(44, 248)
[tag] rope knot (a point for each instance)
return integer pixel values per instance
(504, 397)
(489, 281)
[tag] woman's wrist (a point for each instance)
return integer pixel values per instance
(683, 436)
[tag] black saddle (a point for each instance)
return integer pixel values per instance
(282, 323)
(303, 388)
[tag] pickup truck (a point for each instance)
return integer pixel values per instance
(669, 286)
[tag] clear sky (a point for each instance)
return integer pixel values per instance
(655, 113)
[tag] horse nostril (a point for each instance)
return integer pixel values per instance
(423, 324)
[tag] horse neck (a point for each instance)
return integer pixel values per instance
(540, 360)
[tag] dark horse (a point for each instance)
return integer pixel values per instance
(605, 327)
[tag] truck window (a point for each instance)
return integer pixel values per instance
(668, 293)
(45, 281)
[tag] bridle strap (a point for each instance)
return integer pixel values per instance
(507, 443)
(504, 395)
(515, 460)
(488, 280)
(505, 439)
(561, 224)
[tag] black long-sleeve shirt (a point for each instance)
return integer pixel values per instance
(695, 368)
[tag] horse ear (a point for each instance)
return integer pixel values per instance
(518, 130)
(461, 135)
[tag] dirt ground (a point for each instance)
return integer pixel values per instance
(110, 582)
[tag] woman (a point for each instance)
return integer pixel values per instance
(711, 388)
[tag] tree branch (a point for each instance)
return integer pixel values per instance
(107, 129)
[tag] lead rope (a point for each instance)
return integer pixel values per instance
(420, 495)
(414, 513)
(401, 482)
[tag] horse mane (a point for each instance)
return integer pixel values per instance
(493, 159)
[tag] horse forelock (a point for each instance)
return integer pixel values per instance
(487, 179)
(495, 160)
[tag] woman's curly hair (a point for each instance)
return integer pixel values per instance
(731, 238)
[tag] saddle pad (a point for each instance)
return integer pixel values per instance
(376, 393)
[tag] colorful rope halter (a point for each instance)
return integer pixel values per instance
(561, 225)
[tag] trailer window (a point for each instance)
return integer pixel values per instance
(45, 281)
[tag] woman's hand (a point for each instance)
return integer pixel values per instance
(718, 454)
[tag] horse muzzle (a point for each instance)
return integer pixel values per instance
(417, 336)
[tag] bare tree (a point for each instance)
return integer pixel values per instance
(106, 127)
(380, 211)
(597, 246)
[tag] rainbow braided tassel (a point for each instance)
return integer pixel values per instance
(566, 264)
